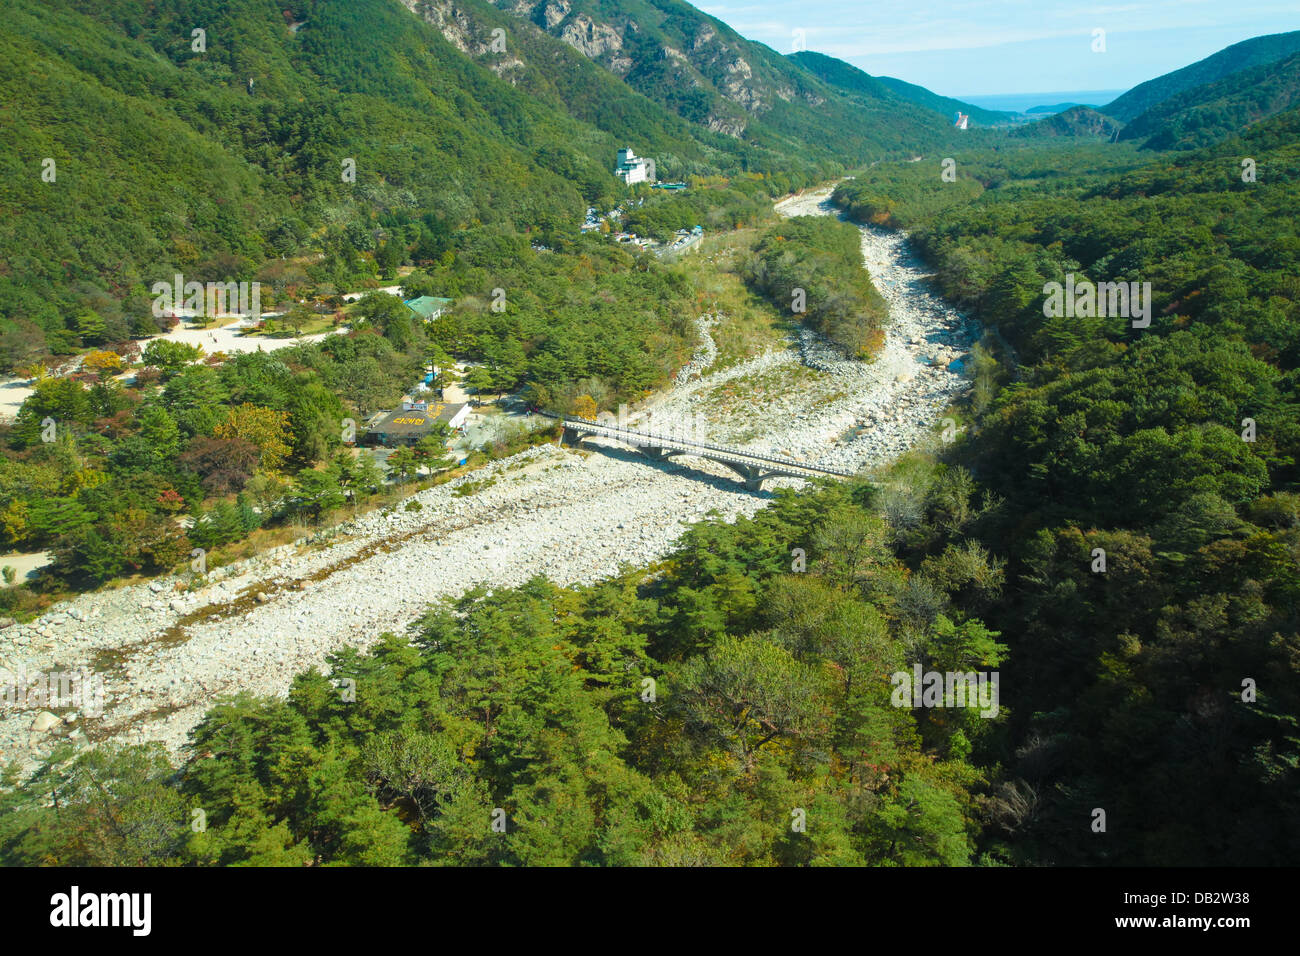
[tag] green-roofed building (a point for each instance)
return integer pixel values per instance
(428, 307)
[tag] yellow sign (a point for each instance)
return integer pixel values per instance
(434, 413)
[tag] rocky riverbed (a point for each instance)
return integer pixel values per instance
(164, 650)
(808, 402)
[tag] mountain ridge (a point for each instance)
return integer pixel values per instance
(1214, 111)
(1232, 59)
(705, 71)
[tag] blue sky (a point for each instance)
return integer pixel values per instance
(973, 47)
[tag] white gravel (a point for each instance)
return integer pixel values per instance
(165, 651)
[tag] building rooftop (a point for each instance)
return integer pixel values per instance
(428, 306)
(415, 418)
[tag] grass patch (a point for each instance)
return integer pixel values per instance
(472, 487)
(750, 325)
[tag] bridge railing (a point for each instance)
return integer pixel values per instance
(735, 454)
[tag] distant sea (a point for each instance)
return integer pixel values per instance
(1019, 102)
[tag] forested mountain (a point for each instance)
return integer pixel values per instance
(1053, 108)
(554, 72)
(1206, 114)
(448, 123)
(706, 72)
(1256, 51)
(228, 163)
(212, 163)
(944, 104)
(1183, 117)
(848, 77)
(1077, 121)
(1172, 449)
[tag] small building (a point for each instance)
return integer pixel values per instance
(428, 307)
(632, 168)
(414, 420)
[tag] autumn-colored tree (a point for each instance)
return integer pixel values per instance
(14, 523)
(264, 427)
(104, 364)
(37, 371)
(146, 377)
(584, 406)
(170, 500)
(224, 464)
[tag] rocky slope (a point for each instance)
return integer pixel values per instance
(706, 72)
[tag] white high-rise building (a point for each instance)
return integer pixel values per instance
(632, 168)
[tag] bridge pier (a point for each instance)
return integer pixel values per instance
(574, 436)
(752, 475)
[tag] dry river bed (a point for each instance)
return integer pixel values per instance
(162, 651)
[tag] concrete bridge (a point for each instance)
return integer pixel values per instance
(753, 469)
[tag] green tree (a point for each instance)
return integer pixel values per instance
(402, 465)
(170, 356)
(746, 693)
(319, 492)
(111, 806)
(91, 327)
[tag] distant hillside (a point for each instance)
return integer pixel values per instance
(1058, 108)
(1076, 122)
(844, 76)
(849, 77)
(1206, 114)
(556, 74)
(1240, 56)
